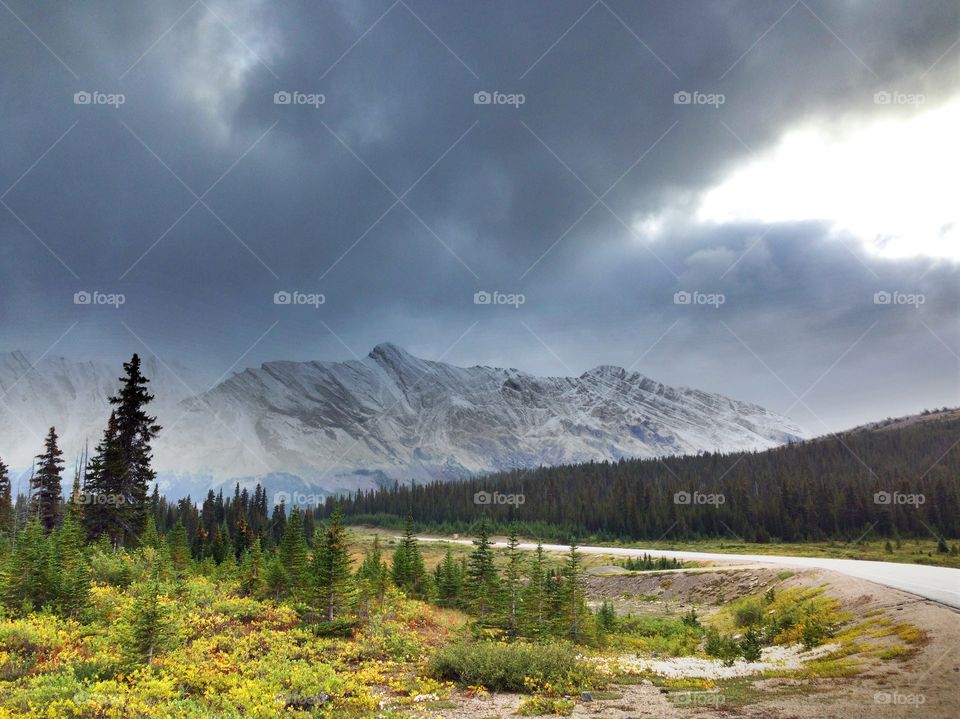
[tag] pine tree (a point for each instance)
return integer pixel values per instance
(150, 537)
(332, 576)
(29, 573)
(512, 584)
(221, 548)
(6, 500)
(536, 600)
(372, 577)
(103, 490)
(45, 485)
(573, 596)
(73, 571)
(178, 550)
(408, 571)
(293, 553)
(135, 430)
(150, 626)
(606, 617)
(252, 571)
(482, 581)
(278, 584)
(449, 581)
(278, 524)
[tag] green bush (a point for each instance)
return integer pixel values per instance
(519, 667)
(669, 636)
(750, 646)
(540, 705)
(722, 647)
(114, 568)
(748, 614)
(342, 628)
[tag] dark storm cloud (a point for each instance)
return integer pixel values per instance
(492, 197)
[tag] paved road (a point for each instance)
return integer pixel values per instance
(940, 584)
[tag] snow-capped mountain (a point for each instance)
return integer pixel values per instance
(342, 425)
(324, 427)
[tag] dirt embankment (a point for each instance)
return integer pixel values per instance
(659, 592)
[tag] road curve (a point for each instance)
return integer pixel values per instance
(940, 584)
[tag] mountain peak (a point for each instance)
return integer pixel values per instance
(610, 371)
(388, 350)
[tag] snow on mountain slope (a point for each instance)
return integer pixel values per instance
(331, 426)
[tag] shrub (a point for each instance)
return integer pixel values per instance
(342, 628)
(722, 647)
(540, 705)
(669, 636)
(750, 646)
(113, 568)
(748, 614)
(519, 667)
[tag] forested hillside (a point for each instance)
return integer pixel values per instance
(898, 482)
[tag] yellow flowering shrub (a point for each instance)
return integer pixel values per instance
(236, 657)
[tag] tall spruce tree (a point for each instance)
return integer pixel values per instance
(252, 571)
(333, 580)
(372, 577)
(534, 617)
(29, 573)
(512, 585)
(449, 581)
(408, 571)
(47, 495)
(73, 572)
(293, 553)
(178, 549)
(103, 489)
(483, 583)
(278, 524)
(573, 595)
(135, 430)
(150, 626)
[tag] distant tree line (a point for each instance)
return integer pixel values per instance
(902, 482)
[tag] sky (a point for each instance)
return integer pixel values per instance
(753, 198)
